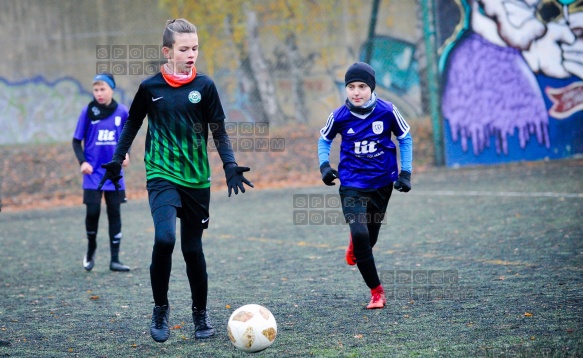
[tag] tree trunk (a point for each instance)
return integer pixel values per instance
(260, 70)
(250, 100)
(297, 80)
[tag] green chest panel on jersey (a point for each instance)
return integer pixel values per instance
(177, 133)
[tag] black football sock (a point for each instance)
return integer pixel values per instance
(191, 242)
(160, 277)
(164, 241)
(114, 218)
(91, 224)
(369, 273)
(91, 244)
(373, 230)
(114, 244)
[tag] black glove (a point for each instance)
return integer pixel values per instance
(235, 178)
(112, 172)
(328, 174)
(404, 182)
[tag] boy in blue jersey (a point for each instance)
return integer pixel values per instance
(182, 106)
(98, 129)
(368, 167)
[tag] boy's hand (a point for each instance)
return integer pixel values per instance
(113, 173)
(86, 168)
(235, 178)
(126, 161)
(328, 174)
(403, 184)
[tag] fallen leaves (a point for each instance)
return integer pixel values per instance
(59, 184)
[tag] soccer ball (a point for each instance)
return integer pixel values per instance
(252, 328)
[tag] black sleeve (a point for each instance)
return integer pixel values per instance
(213, 108)
(138, 111)
(78, 149)
(214, 111)
(222, 142)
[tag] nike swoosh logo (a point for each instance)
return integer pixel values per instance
(95, 122)
(155, 99)
(205, 220)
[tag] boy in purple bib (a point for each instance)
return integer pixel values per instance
(98, 129)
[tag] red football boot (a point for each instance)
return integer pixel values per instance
(377, 299)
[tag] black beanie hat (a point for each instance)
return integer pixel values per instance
(360, 71)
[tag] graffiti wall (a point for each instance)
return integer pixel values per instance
(46, 80)
(39, 111)
(512, 80)
(396, 71)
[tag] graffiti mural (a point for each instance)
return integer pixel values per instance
(396, 72)
(39, 111)
(512, 81)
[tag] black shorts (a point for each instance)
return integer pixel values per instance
(364, 204)
(111, 197)
(192, 204)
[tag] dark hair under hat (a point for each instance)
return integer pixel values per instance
(360, 71)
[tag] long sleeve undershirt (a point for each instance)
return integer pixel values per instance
(79, 152)
(405, 147)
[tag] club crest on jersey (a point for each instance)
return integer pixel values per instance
(95, 110)
(194, 96)
(377, 127)
(117, 121)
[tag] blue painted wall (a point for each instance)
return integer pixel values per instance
(512, 81)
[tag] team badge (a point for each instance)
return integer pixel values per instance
(117, 121)
(194, 96)
(95, 110)
(377, 127)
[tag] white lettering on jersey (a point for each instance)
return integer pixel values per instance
(365, 147)
(106, 135)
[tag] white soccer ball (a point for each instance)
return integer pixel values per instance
(252, 328)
